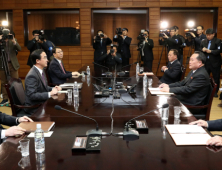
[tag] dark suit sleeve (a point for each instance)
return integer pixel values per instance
(108, 41)
(31, 88)
(215, 125)
(202, 45)
(127, 40)
(94, 45)
(31, 44)
(103, 57)
(197, 83)
(7, 119)
(175, 41)
(56, 71)
(173, 73)
(118, 58)
(217, 51)
(150, 43)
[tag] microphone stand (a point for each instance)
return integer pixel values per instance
(108, 73)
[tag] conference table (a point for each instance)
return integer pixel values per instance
(153, 150)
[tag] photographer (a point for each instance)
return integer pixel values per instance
(34, 44)
(11, 46)
(100, 43)
(173, 42)
(48, 46)
(123, 45)
(146, 49)
(192, 39)
(112, 58)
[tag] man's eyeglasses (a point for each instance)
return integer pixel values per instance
(59, 52)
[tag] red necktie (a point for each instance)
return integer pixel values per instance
(62, 68)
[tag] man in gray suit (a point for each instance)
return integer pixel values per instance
(36, 86)
(11, 48)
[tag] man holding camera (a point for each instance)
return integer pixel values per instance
(211, 48)
(174, 41)
(34, 44)
(146, 50)
(192, 39)
(11, 47)
(100, 43)
(123, 45)
(112, 58)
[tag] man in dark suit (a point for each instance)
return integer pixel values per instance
(146, 51)
(196, 41)
(194, 89)
(12, 121)
(213, 125)
(123, 46)
(172, 71)
(211, 48)
(112, 58)
(35, 44)
(173, 42)
(11, 48)
(100, 43)
(57, 71)
(36, 86)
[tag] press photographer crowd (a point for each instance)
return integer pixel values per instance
(119, 53)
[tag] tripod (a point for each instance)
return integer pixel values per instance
(5, 63)
(189, 53)
(164, 47)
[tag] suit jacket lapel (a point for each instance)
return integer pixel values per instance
(40, 77)
(59, 65)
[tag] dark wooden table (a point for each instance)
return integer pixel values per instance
(155, 150)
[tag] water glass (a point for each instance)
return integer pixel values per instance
(141, 69)
(24, 147)
(83, 75)
(165, 113)
(177, 110)
(69, 91)
(24, 162)
(150, 82)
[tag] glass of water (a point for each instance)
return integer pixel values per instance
(177, 110)
(24, 147)
(165, 113)
(69, 91)
(150, 82)
(141, 69)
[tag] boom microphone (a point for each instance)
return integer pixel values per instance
(107, 73)
(122, 73)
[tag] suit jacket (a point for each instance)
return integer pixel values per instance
(194, 89)
(56, 73)
(36, 91)
(147, 51)
(11, 49)
(123, 46)
(32, 46)
(110, 60)
(215, 57)
(197, 42)
(100, 49)
(215, 125)
(173, 73)
(6, 120)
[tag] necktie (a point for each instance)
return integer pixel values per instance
(43, 78)
(62, 68)
(209, 44)
(101, 42)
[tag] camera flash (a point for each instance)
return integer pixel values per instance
(4, 23)
(163, 24)
(190, 24)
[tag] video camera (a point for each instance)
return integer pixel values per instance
(188, 31)
(166, 31)
(41, 35)
(4, 32)
(119, 31)
(141, 36)
(98, 37)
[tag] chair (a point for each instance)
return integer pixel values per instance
(205, 109)
(49, 79)
(183, 69)
(16, 94)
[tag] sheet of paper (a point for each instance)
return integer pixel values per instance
(156, 91)
(46, 134)
(182, 129)
(190, 139)
(62, 92)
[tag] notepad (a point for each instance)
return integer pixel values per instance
(31, 126)
(156, 91)
(147, 73)
(70, 85)
(188, 134)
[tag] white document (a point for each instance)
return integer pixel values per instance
(156, 91)
(46, 134)
(62, 92)
(188, 134)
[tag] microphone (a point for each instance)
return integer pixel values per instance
(92, 132)
(132, 134)
(122, 73)
(107, 73)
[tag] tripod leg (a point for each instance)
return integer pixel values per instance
(160, 59)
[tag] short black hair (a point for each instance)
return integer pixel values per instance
(175, 52)
(100, 30)
(172, 28)
(176, 27)
(201, 26)
(54, 49)
(125, 29)
(36, 55)
(209, 31)
(201, 57)
(35, 32)
(114, 46)
(146, 31)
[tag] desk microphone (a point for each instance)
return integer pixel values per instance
(107, 73)
(132, 134)
(92, 132)
(122, 73)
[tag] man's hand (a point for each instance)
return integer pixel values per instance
(165, 89)
(75, 74)
(163, 85)
(14, 130)
(108, 52)
(216, 140)
(113, 54)
(163, 68)
(199, 123)
(13, 39)
(24, 119)
(0, 37)
(122, 36)
(54, 91)
(146, 40)
(208, 51)
(58, 88)
(165, 36)
(105, 36)
(204, 49)
(193, 34)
